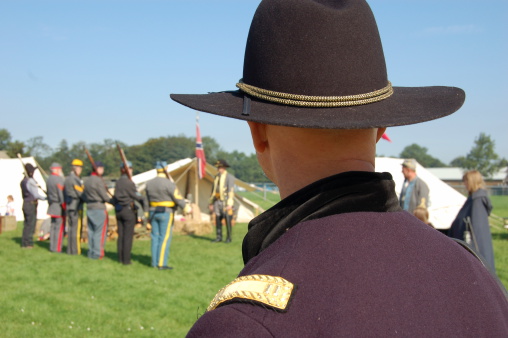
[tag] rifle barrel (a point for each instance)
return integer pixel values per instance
(90, 158)
(124, 161)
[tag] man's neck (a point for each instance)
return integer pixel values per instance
(296, 157)
(411, 178)
(295, 177)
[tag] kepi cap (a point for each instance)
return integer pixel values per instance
(160, 165)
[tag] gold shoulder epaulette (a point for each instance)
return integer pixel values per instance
(270, 291)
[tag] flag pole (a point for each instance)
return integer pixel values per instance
(196, 168)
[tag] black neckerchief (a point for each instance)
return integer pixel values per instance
(353, 191)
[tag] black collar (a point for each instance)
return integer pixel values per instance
(353, 191)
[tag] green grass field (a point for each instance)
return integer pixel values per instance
(265, 201)
(44, 294)
(500, 236)
(500, 204)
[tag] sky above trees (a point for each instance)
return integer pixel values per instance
(93, 70)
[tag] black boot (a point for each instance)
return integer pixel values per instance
(219, 231)
(229, 230)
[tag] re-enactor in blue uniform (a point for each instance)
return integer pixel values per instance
(163, 199)
(359, 266)
(337, 256)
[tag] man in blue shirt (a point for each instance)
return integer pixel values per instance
(415, 192)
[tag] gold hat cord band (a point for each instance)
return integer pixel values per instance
(316, 101)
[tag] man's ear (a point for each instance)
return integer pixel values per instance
(259, 139)
(380, 132)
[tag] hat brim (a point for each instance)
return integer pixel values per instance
(407, 105)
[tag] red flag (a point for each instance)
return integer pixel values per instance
(386, 137)
(200, 152)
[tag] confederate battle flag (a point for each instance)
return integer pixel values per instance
(200, 152)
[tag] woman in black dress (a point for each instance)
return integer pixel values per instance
(473, 217)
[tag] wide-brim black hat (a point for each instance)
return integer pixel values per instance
(320, 64)
(30, 169)
(221, 164)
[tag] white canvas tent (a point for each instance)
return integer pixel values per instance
(184, 173)
(11, 175)
(445, 202)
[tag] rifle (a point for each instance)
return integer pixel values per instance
(26, 173)
(168, 176)
(124, 161)
(126, 166)
(94, 167)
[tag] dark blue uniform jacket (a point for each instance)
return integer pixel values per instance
(360, 267)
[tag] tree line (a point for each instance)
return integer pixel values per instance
(143, 156)
(482, 155)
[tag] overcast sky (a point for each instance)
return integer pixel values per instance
(91, 70)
